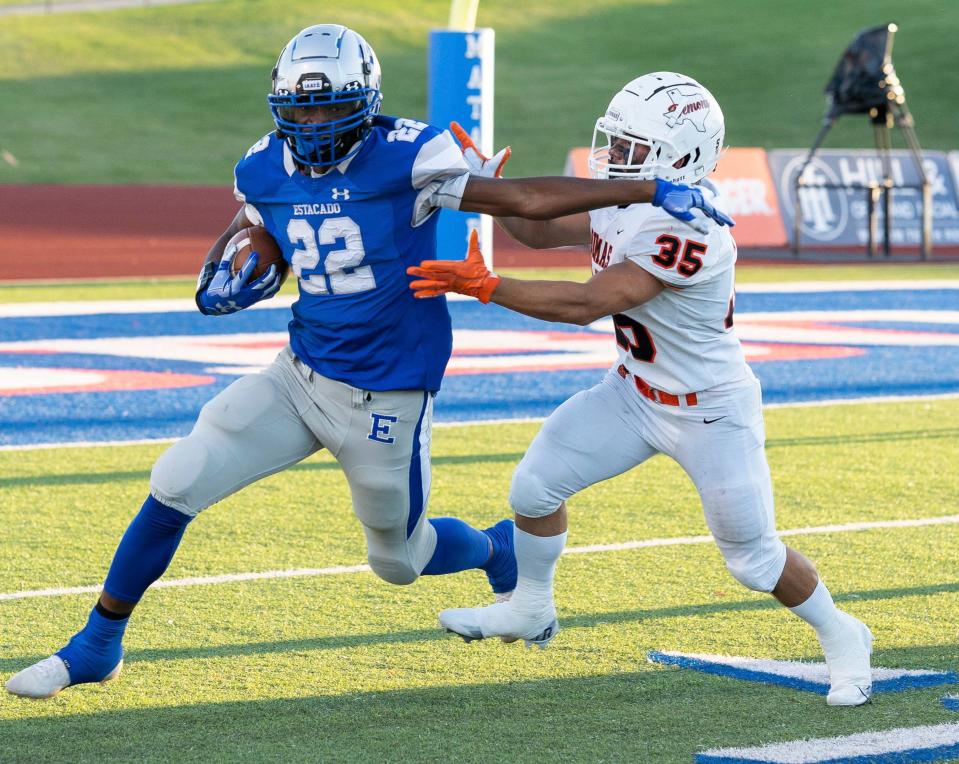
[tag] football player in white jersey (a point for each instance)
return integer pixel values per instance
(680, 386)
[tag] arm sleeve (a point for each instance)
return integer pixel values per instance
(439, 176)
(673, 252)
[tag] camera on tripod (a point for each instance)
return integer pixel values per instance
(865, 82)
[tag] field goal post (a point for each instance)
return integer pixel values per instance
(461, 88)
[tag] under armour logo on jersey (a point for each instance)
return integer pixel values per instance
(380, 430)
(341, 193)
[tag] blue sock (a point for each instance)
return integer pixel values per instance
(145, 550)
(501, 569)
(461, 547)
(458, 547)
(144, 553)
(95, 650)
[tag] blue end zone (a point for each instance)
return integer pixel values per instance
(531, 390)
(951, 702)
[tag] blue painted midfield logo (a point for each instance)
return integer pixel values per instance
(135, 376)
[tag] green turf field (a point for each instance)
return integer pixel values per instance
(176, 94)
(346, 668)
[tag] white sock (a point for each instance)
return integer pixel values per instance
(536, 558)
(820, 612)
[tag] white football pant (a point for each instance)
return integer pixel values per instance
(611, 428)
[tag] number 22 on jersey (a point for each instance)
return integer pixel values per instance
(339, 243)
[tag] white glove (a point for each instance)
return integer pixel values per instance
(485, 167)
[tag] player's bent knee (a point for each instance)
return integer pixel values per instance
(178, 470)
(397, 558)
(392, 570)
(528, 495)
(756, 564)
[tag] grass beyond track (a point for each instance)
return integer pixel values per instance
(347, 668)
(176, 94)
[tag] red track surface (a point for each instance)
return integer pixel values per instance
(64, 232)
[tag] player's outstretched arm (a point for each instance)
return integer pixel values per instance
(218, 290)
(568, 231)
(538, 234)
(547, 212)
(547, 198)
(614, 290)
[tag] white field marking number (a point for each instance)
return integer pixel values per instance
(349, 256)
(406, 130)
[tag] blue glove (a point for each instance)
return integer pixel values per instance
(680, 201)
(220, 292)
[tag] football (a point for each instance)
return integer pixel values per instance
(256, 239)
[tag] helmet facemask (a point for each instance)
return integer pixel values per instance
(334, 140)
(615, 154)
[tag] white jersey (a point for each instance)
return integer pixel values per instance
(681, 341)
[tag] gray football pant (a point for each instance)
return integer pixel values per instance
(266, 422)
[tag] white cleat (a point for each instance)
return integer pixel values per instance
(502, 620)
(847, 657)
(46, 678)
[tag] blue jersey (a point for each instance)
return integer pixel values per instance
(349, 236)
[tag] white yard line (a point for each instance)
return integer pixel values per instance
(228, 578)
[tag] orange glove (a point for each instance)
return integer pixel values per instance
(469, 276)
(478, 163)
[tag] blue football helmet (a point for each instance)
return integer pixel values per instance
(326, 91)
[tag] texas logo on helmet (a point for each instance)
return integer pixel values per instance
(685, 106)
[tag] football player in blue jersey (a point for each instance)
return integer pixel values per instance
(350, 196)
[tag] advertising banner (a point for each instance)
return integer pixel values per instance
(839, 217)
(743, 178)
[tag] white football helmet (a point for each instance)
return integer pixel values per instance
(675, 116)
(329, 66)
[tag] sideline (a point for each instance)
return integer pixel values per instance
(229, 578)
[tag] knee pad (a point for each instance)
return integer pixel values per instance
(397, 559)
(176, 473)
(381, 502)
(189, 476)
(757, 564)
(392, 570)
(741, 520)
(528, 495)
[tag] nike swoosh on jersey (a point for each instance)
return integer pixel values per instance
(710, 421)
